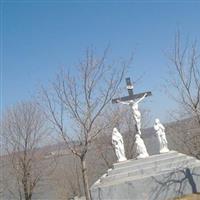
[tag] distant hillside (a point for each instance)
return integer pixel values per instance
(65, 182)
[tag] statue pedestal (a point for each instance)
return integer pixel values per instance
(164, 150)
(157, 177)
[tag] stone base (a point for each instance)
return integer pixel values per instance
(164, 150)
(142, 156)
(122, 160)
(158, 177)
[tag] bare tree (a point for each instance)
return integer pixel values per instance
(23, 129)
(184, 87)
(185, 77)
(79, 100)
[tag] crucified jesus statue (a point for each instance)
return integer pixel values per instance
(133, 100)
(135, 110)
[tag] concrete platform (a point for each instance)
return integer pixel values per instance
(158, 177)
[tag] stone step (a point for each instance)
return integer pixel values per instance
(135, 179)
(154, 187)
(136, 165)
(156, 168)
(150, 158)
(195, 164)
(166, 177)
(191, 165)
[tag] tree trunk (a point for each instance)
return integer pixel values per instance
(26, 195)
(78, 181)
(85, 179)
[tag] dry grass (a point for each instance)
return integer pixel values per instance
(189, 197)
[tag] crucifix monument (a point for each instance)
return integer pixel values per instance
(148, 177)
(133, 100)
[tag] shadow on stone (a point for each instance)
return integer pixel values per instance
(178, 182)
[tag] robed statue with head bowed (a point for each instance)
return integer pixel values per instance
(118, 143)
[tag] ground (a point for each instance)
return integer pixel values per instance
(189, 197)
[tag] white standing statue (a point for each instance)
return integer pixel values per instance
(140, 147)
(160, 132)
(118, 143)
(136, 113)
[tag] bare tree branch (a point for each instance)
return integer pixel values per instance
(81, 100)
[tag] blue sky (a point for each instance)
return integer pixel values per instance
(40, 37)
